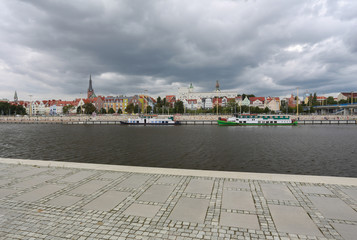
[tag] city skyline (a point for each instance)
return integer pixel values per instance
(49, 49)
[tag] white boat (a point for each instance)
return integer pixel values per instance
(257, 120)
(151, 120)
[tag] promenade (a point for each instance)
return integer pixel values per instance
(61, 200)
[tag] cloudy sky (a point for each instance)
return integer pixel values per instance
(48, 48)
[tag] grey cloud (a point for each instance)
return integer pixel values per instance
(130, 46)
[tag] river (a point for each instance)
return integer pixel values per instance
(328, 150)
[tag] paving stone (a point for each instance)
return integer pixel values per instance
(334, 208)
(29, 172)
(199, 186)
(79, 176)
(315, 189)
(4, 182)
(107, 201)
(190, 210)
(277, 191)
(169, 180)
(290, 219)
(348, 232)
(64, 200)
(6, 192)
(239, 220)
(236, 184)
(142, 210)
(157, 193)
(34, 181)
(90, 187)
(134, 181)
(241, 200)
(39, 193)
(112, 175)
(61, 171)
(351, 192)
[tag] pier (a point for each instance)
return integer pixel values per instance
(62, 200)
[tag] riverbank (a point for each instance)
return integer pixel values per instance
(178, 117)
(46, 199)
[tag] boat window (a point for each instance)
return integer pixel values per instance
(167, 122)
(275, 121)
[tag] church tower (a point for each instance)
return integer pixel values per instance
(16, 99)
(90, 93)
(217, 86)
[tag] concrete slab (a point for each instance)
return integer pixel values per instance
(29, 172)
(348, 232)
(277, 192)
(142, 210)
(190, 210)
(107, 201)
(200, 186)
(112, 175)
(157, 193)
(169, 180)
(79, 176)
(90, 187)
(39, 193)
(6, 192)
(134, 181)
(334, 208)
(64, 200)
(236, 184)
(34, 181)
(4, 181)
(351, 192)
(239, 200)
(61, 171)
(239, 220)
(290, 219)
(315, 189)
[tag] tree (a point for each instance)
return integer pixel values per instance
(111, 111)
(330, 101)
(136, 109)
(103, 111)
(67, 108)
(120, 111)
(314, 100)
(178, 107)
(89, 108)
(130, 108)
(148, 109)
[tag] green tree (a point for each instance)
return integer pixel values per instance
(67, 108)
(130, 108)
(331, 101)
(136, 109)
(89, 108)
(148, 109)
(178, 107)
(103, 111)
(120, 111)
(111, 111)
(314, 100)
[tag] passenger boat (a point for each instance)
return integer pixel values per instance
(151, 120)
(257, 120)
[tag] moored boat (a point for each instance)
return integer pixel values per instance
(257, 120)
(151, 120)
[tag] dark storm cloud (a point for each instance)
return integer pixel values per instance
(49, 48)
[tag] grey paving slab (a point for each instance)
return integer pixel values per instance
(201, 186)
(277, 192)
(6, 192)
(39, 193)
(112, 175)
(236, 184)
(33, 181)
(77, 176)
(134, 181)
(348, 232)
(107, 201)
(64, 200)
(290, 219)
(240, 200)
(315, 189)
(190, 210)
(90, 187)
(157, 193)
(169, 180)
(334, 208)
(351, 192)
(239, 220)
(142, 210)
(61, 171)
(4, 181)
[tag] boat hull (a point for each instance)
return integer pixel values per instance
(127, 123)
(227, 123)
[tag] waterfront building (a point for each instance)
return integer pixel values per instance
(206, 98)
(116, 103)
(273, 103)
(346, 95)
(171, 99)
(245, 102)
(257, 102)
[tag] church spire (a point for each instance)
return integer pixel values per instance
(16, 99)
(217, 86)
(90, 83)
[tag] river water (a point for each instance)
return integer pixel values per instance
(328, 150)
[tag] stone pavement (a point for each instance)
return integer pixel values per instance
(52, 202)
